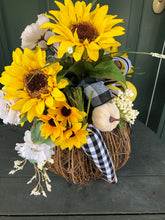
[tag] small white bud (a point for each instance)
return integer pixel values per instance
(70, 50)
(12, 172)
(44, 194)
(48, 186)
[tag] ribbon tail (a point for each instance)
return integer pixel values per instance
(97, 151)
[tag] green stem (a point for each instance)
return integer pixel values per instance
(144, 53)
(89, 102)
(127, 51)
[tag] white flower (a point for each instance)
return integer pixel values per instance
(8, 115)
(31, 151)
(33, 35)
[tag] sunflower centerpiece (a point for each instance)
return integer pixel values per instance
(71, 96)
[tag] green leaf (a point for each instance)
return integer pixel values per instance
(141, 73)
(51, 59)
(81, 68)
(36, 135)
(102, 57)
(61, 75)
(136, 68)
(121, 125)
(107, 69)
(32, 161)
(107, 65)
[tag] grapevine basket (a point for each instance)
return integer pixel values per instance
(76, 166)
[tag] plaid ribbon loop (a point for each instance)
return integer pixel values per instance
(97, 151)
(101, 94)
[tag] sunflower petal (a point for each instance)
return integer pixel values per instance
(49, 101)
(63, 48)
(17, 56)
(48, 25)
(19, 104)
(28, 105)
(31, 114)
(93, 54)
(49, 16)
(40, 107)
(58, 95)
(62, 84)
(78, 53)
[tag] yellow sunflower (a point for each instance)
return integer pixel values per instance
(51, 127)
(86, 31)
(76, 136)
(65, 113)
(34, 87)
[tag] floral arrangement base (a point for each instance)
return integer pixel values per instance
(72, 81)
(76, 166)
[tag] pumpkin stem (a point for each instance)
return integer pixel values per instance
(113, 119)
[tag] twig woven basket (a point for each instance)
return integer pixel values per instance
(75, 165)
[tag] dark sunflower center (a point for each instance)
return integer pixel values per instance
(51, 122)
(85, 31)
(73, 134)
(65, 111)
(36, 83)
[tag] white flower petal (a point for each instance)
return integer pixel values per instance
(42, 19)
(8, 115)
(31, 151)
(33, 33)
(48, 34)
(43, 44)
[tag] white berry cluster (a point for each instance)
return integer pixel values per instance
(125, 106)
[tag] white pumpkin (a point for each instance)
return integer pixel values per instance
(106, 117)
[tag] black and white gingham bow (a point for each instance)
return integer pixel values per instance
(97, 151)
(101, 94)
